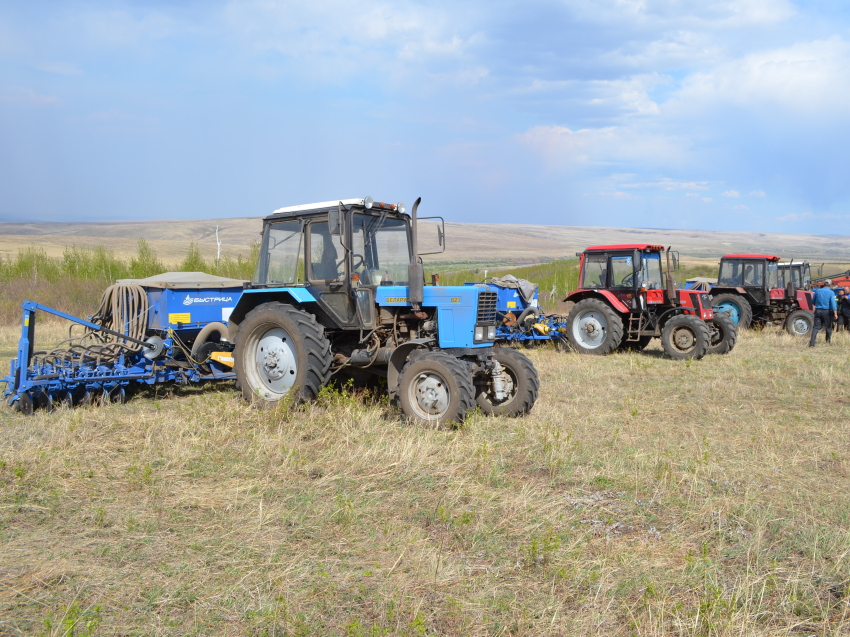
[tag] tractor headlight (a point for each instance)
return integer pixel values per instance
(367, 202)
(491, 332)
(479, 333)
(401, 207)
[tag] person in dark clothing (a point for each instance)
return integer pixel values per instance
(826, 309)
(840, 322)
(844, 308)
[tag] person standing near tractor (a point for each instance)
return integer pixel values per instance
(826, 309)
(840, 322)
(844, 308)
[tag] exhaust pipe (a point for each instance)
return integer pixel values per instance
(415, 271)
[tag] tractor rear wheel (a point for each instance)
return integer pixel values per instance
(520, 381)
(281, 352)
(736, 306)
(685, 336)
(724, 334)
(593, 327)
(435, 388)
(800, 323)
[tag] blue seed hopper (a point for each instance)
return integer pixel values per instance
(167, 328)
(519, 317)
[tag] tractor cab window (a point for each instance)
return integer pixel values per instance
(753, 274)
(380, 248)
(651, 271)
(280, 259)
(730, 273)
(595, 271)
(805, 276)
(327, 261)
(622, 272)
(772, 275)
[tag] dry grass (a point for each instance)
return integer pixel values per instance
(643, 496)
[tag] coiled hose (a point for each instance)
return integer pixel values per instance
(124, 309)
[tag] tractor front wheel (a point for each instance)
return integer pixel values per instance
(685, 336)
(736, 306)
(435, 388)
(519, 382)
(724, 334)
(593, 327)
(799, 323)
(281, 352)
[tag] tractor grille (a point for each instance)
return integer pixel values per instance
(487, 307)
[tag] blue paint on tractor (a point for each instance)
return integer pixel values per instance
(731, 308)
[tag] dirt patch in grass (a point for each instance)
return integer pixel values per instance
(642, 496)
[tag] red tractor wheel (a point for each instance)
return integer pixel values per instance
(593, 327)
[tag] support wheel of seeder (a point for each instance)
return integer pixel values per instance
(519, 385)
(685, 336)
(436, 389)
(593, 327)
(723, 334)
(281, 352)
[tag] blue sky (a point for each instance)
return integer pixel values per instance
(650, 113)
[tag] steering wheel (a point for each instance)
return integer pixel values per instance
(628, 279)
(355, 263)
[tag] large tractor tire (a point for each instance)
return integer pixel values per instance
(737, 307)
(800, 323)
(281, 352)
(685, 336)
(593, 327)
(436, 389)
(521, 383)
(723, 332)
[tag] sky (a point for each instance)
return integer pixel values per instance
(686, 114)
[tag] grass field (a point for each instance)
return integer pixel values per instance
(642, 496)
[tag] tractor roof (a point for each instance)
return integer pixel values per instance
(624, 246)
(322, 206)
(769, 257)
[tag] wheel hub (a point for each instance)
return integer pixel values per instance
(684, 339)
(276, 365)
(432, 395)
(801, 326)
(589, 329)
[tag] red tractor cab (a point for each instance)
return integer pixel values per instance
(627, 297)
(754, 291)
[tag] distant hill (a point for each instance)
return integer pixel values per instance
(473, 242)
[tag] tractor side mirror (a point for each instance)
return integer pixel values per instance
(335, 221)
(637, 260)
(441, 235)
(427, 246)
(675, 256)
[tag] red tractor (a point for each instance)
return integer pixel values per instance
(626, 298)
(754, 291)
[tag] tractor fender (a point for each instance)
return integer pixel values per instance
(607, 295)
(397, 360)
(252, 298)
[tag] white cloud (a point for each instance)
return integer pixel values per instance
(707, 199)
(758, 194)
(691, 194)
(26, 97)
(742, 208)
(732, 194)
(808, 76)
(619, 194)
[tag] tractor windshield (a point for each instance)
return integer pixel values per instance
(651, 271)
(380, 249)
(595, 271)
(748, 273)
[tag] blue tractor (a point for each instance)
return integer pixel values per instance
(520, 321)
(339, 291)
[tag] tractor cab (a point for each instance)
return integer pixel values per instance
(756, 274)
(625, 271)
(800, 274)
